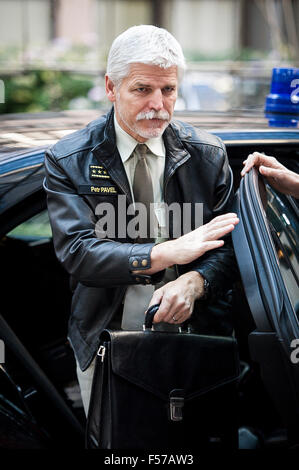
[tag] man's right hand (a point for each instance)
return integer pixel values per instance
(194, 244)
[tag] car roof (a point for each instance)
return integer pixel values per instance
(22, 131)
(24, 138)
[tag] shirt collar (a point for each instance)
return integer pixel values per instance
(126, 143)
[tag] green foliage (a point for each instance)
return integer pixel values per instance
(247, 54)
(43, 90)
(244, 54)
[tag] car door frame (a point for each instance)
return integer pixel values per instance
(270, 306)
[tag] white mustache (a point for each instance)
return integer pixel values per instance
(164, 115)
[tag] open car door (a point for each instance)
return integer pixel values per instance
(267, 251)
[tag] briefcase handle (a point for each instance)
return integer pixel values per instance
(149, 316)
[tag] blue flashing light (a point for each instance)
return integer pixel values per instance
(282, 104)
(276, 120)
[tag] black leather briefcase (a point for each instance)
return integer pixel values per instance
(162, 390)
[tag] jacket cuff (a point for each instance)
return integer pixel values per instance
(140, 260)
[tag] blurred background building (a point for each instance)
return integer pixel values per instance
(60, 47)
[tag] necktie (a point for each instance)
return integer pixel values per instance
(143, 192)
(138, 296)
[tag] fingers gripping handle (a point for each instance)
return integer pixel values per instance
(149, 316)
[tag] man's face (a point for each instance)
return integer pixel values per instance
(145, 99)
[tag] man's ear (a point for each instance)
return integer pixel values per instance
(110, 89)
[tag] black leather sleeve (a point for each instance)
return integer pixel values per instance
(218, 266)
(92, 261)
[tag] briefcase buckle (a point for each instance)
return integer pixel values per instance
(176, 406)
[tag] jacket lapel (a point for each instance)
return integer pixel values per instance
(107, 153)
(176, 154)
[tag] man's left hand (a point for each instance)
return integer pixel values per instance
(177, 298)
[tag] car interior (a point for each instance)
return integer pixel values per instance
(35, 303)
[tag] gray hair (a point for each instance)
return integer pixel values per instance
(145, 44)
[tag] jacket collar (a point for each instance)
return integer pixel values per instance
(107, 144)
(176, 154)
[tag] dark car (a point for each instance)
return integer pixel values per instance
(40, 404)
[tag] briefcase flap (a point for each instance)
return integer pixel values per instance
(160, 362)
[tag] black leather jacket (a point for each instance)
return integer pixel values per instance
(196, 170)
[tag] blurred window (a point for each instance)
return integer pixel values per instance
(284, 226)
(37, 226)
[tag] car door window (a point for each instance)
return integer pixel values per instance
(36, 227)
(284, 226)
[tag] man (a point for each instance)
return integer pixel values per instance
(114, 277)
(278, 176)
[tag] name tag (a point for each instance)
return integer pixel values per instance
(95, 189)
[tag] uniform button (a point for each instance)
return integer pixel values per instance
(148, 281)
(137, 279)
(135, 263)
(144, 262)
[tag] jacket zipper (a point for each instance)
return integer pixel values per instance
(173, 171)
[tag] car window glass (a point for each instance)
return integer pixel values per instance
(37, 226)
(284, 225)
